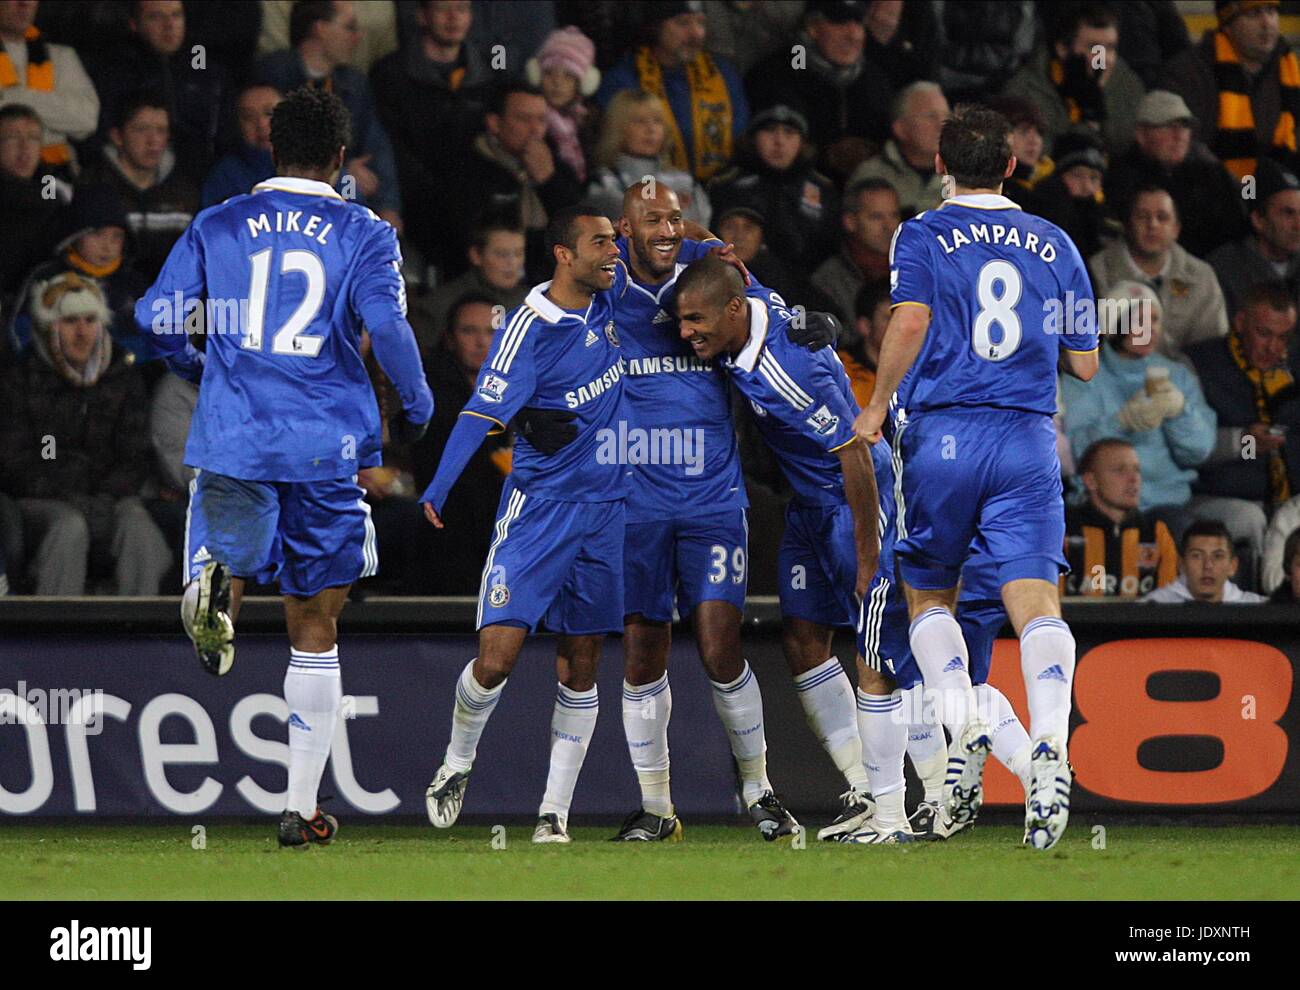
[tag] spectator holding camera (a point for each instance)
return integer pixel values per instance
(1207, 563)
(74, 450)
(1144, 398)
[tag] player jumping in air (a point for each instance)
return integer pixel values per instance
(687, 536)
(837, 528)
(986, 307)
(286, 414)
(557, 554)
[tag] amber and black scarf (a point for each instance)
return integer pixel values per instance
(1235, 142)
(1266, 384)
(711, 113)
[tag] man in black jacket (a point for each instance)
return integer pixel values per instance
(157, 60)
(846, 95)
(452, 367)
(430, 96)
(511, 167)
(774, 176)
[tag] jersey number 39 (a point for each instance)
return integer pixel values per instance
(997, 308)
(289, 339)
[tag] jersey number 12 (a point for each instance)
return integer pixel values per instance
(289, 339)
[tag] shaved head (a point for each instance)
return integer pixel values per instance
(652, 223)
(711, 281)
(650, 193)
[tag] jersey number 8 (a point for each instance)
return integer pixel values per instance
(999, 309)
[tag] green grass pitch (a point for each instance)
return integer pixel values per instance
(87, 860)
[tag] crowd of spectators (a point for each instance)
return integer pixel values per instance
(803, 132)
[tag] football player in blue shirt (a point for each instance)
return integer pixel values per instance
(988, 302)
(687, 537)
(557, 554)
(286, 415)
(838, 528)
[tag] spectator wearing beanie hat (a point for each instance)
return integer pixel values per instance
(1239, 84)
(774, 175)
(565, 70)
(1071, 196)
(81, 509)
(94, 243)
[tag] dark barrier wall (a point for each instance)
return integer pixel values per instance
(1175, 709)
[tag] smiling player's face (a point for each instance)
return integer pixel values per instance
(653, 226)
(703, 324)
(596, 255)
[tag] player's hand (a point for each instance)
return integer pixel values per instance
(403, 431)
(431, 514)
(538, 162)
(367, 181)
(728, 254)
(546, 430)
(819, 330)
(867, 426)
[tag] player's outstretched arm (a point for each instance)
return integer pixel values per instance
(466, 438)
(864, 502)
(908, 326)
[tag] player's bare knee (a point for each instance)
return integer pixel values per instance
(872, 681)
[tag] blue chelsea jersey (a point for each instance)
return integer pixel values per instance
(803, 404)
(681, 442)
(287, 276)
(554, 358)
(1006, 291)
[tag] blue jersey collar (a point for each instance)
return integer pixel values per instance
(981, 201)
(747, 359)
(548, 310)
(307, 187)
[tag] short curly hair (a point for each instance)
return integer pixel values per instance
(307, 129)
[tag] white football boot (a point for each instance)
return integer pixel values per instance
(205, 614)
(1047, 807)
(445, 796)
(964, 787)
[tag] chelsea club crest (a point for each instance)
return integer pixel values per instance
(611, 334)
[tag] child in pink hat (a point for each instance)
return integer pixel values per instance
(564, 67)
